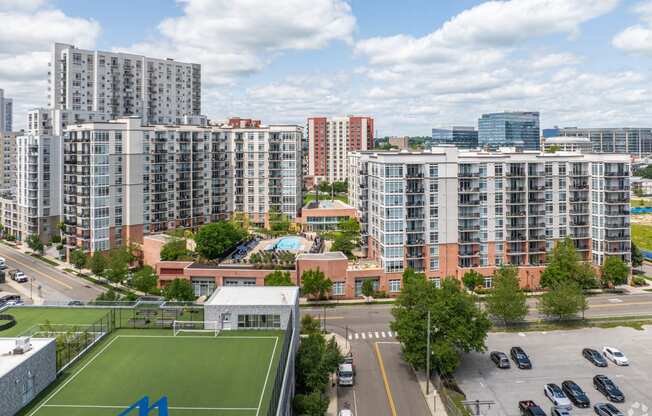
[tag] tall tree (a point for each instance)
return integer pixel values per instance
(118, 264)
(472, 279)
(565, 300)
(35, 244)
(279, 278)
(506, 301)
(96, 263)
(457, 325)
(315, 283)
(145, 280)
(179, 290)
(564, 264)
(614, 271)
(368, 288)
(175, 249)
(213, 240)
(78, 258)
(637, 256)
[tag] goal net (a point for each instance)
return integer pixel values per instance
(211, 327)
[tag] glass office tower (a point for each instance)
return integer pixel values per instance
(511, 129)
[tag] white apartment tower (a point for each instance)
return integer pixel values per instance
(6, 113)
(121, 84)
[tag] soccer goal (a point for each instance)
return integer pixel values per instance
(180, 327)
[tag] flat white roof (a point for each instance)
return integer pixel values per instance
(9, 361)
(254, 296)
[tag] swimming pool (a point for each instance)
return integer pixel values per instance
(288, 243)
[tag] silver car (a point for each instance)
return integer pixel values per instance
(557, 396)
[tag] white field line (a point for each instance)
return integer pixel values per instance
(269, 368)
(91, 406)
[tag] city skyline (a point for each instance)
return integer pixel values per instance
(447, 65)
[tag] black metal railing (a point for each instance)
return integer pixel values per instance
(281, 376)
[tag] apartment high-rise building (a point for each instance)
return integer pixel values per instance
(329, 142)
(123, 179)
(8, 158)
(6, 113)
(459, 136)
(122, 84)
(633, 141)
(509, 129)
(444, 212)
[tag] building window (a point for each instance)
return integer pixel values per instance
(394, 286)
(259, 321)
(488, 282)
(338, 288)
(436, 281)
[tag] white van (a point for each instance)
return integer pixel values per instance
(345, 375)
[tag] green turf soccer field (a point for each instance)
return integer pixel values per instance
(227, 375)
(27, 317)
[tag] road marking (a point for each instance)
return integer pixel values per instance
(376, 333)
(370, 335)
(383, 334)
(356, 335)
(520, 334)
(385, 381)
(350, 337)
(363, 336)
(619, 305)
(355, 403)
(48, 278)
(389, 333)
(615, 300)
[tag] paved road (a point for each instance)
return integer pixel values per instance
(367, 326)
(55, 284)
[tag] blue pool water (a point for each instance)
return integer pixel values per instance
(288, 243)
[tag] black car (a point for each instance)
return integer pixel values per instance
(529, 408)
(594, 357)
(500, 359)
(607, 409)
(607, 387)
(575, 394)
(520, 358)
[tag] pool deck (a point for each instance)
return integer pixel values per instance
(304, 246)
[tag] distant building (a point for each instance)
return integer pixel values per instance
(324, 215)
(633, 141)
(459, 136)
(511, 129)
(6, 113)
(570, 144)
(8, 162)
(400, 142)
(546, 133)
(640, 185)
(330, 140)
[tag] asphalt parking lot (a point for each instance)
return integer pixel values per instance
(557, 356)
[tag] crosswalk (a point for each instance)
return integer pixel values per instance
(371, 335)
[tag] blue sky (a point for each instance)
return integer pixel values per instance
(412, 64)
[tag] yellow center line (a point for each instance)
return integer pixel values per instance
(617, 305)
(38, 272)
(385, 380)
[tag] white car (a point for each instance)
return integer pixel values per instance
(345, 412)
(557, 396)
(3, 263)
(614, 355)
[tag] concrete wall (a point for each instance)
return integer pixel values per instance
(42, 364)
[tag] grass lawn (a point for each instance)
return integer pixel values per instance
(311, 197)
(27, 317)
(228, 375)
(642, 236)
(641, 203)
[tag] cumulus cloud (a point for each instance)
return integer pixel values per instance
(637, 39)
(235, 38)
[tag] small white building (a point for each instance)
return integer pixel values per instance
(25, 372)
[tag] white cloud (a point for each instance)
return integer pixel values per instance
(234, 38)
(637, 39)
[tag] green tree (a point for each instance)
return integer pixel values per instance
(637, 256)
(565, 300)
(311, 372)
(315, 283)
(472, 279)
(109, 296)
(332, 355)
(614, 271)
(553, 148)
(325, 187)
(35, 244)
(117, 265)
(310, 325)
(312, 404)
(341, 187)
(175, 249)
(179, 290)
(96, 263)
(279, 278)
(343, 243)
(215, 239)
(145, 280)
(350, 227)
(457, 325)
(565, 265)
(507, 301)
(368, 288)
(78, 258)
(645, 172)
(278, 221)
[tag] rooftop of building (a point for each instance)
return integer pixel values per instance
(566, 139)
(334, 255)
(327, 204)
(254, 296)
(9, 361)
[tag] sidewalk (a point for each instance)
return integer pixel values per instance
(332, 388)
(432, 399)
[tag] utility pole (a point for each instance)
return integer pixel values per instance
(428, 358)
(475, 405)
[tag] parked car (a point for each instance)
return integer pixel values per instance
(594, 357)
(557, 396)
(575, 394)
(345, 412)
(348, 359)
(607, 409)
(18, 276)
(500, 359)
(520, 358)
(559, 411)
(607, 387)
(3, 263)
(615, 356)
(75, 303)
(345, 375)
(529, 408)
